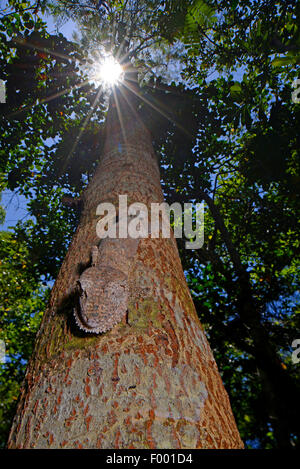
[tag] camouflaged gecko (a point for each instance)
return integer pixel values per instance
(102, 289)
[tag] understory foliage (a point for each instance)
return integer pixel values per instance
(227, 132)
(22, 300)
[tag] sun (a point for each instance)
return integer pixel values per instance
(108, 72)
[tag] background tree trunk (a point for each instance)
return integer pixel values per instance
(150, 382)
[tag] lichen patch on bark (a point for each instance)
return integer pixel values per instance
(126, 391)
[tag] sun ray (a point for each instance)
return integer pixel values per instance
(123, 92)
(48, 98)
(120, 116)
(86, 121)
(30, 45)
(156, 108)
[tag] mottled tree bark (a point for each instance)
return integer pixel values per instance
(149, 382)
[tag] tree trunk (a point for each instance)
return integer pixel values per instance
(151, 380)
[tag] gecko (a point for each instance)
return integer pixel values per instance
(102, 289)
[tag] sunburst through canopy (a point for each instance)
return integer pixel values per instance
(108, 72)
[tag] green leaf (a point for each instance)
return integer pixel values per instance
(236, 88)
(282, 61)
